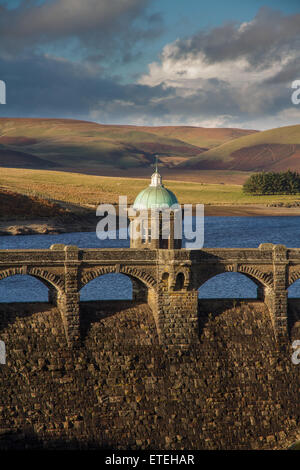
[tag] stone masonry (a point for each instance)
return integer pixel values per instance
(167, 280)
(164, 371)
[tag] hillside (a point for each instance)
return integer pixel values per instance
(200, 136)
(275, 149)
(46, 143)
(16, 159)
(14, 205)
(87, 191)
(114, 149)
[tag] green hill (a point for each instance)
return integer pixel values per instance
(80, 145)
(275, 149)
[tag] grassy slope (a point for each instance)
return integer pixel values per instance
(88, 190)
(79, 144)
(14, 205)
(200, 136)
(281, 135)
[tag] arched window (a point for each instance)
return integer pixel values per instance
(165, 280)
(179, 281)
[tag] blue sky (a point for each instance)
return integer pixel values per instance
(151, 62)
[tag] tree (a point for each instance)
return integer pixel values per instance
(287, 182)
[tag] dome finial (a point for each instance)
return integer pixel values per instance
(156, 163)
(156, 179)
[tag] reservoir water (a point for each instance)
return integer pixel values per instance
(219, 232)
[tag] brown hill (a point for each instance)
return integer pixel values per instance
(18, 205)
(274, 157)
(15, 159)
(86, 145)
(275, 149)
(200, 136)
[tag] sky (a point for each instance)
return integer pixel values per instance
(152, 62)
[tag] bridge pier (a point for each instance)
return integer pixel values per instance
(277, 303)
(280, 304)
(176, 300)
(276, 297)
(178, 318)
(139, 291)
(53, 296)
(69, 302)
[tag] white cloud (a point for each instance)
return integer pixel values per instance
(233, 73)
(190, 70)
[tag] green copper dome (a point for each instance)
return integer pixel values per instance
(155, 196)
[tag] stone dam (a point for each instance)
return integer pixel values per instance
(163, 371)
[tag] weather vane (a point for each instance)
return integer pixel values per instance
(156, 164)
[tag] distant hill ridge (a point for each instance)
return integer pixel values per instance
(275, 149)
(74, 144)
(49, 143)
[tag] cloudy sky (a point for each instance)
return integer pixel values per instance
(152, 62)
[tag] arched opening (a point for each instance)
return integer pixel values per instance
(165, 280)
(111, 286)
(179, 284)
(294, 290)
(228, 285)
(232, 296)
(294, 307)
(120, 295)
(23, 288)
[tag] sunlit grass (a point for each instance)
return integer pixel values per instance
(91, 190)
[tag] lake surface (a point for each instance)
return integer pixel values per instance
(218, 232)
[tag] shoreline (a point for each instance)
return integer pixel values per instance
(250, 210)
(88, 222)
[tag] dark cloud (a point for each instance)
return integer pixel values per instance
(47, 86)
(98, 28)
(289, 72)
(267, 38)
(192, 83)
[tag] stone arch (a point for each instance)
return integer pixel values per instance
(145, 278)
(143, 284)
(293, 277)
(50, 280)
(261, 279)
(229, 285)
(200, 278)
